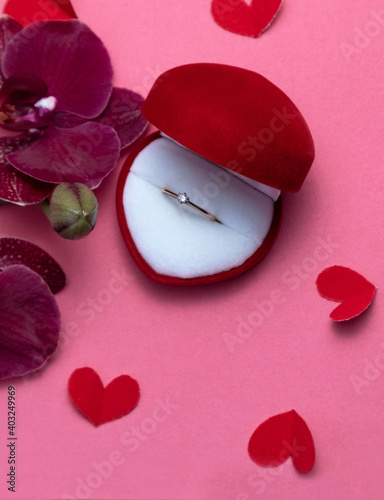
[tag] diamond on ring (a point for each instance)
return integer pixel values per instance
(182, 198)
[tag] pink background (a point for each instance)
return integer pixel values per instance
(173, 340)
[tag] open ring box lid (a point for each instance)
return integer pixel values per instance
(231, 140)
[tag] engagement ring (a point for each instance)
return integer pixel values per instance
(183, 199)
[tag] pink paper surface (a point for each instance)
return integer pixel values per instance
(215, 362)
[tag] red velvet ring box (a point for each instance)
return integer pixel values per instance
(231, 141)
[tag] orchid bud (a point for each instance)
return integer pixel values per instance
(73, 211)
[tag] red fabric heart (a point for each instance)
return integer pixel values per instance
(282, 436)
(101, 404)
(29, 11)
(238, 17)
(342, 284)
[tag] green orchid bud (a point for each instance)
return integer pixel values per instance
(73, 211)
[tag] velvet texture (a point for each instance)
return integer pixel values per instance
(169, 280)
(235, 118)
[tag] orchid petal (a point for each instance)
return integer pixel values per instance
(23, 89)
(30, 11)
(8, 28)
(21, 92)
(29, 322)
(84, 154)
(15, 186)
(123, 113)
(69, 58)
(17, 251)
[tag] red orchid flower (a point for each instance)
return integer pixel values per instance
(29, 315)
(57, 93)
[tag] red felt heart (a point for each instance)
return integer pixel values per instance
(243, 19)
(101, 404)
(282, 436)
(29, 11)
(342, 284)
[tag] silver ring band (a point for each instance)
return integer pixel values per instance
(183, 199)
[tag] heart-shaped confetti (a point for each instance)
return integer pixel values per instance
(344, 285)
(101, 404)
(250, 20)
(37, 10)
(280, 437)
